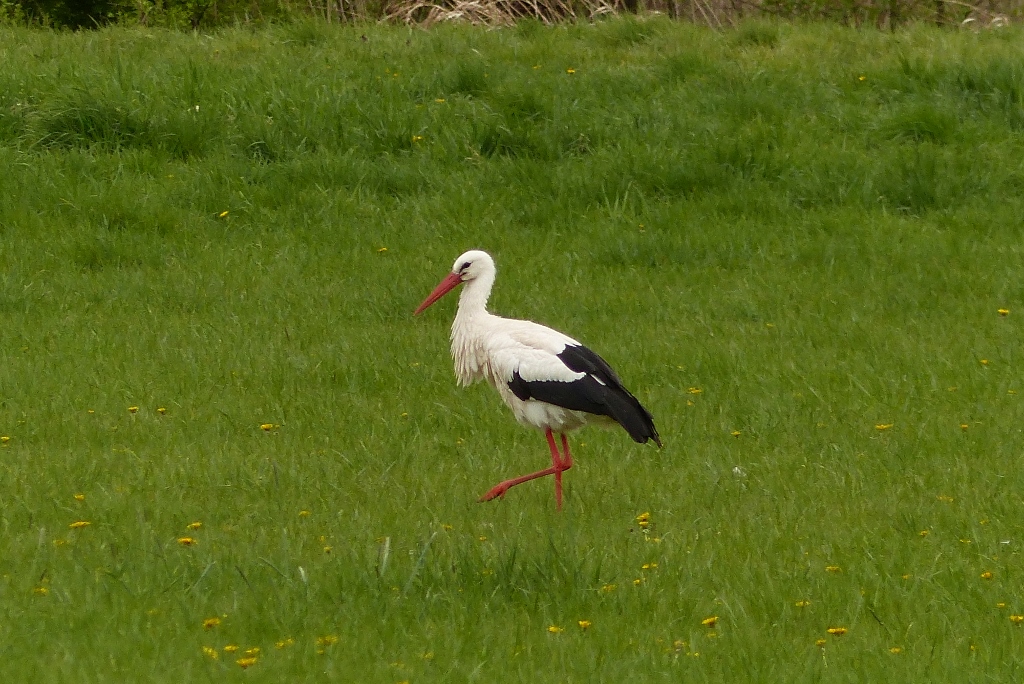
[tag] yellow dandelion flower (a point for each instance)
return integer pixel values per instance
(246, 662)
(648, 566)
(439, 100)
(41, 591)
(907, 576)
(285, 643)
(79, 524)
(896, 649)
(836, 631)
(608, 588)
(710, 621)
(194, 525)
(133, 409)
(965, 541)
(570, 71)
(415, 139)
(584, 624)
(210, 623)
(222, 214)
(255, 651)
(694, 390)
(984, 362)
(884, 426)
(327, 549)
(161, 410)
(1017, 619)
(482, 538)
(833, 568)
(5, 439)
(186, 541)
(230, 648)
(327, 640)
(303, 513)
(820, 643)
(987, 575)
(924, 533)
(446, 527)
(638, 581)
(383, 250)
(735, 433)
(267, 427)
(79, 497)
(555, 629)
(644, 517)
(862, 78)
(803, 604)
(211, 652)
(1001, 604)
(1004, 312)
(964, 426)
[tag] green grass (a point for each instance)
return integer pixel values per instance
(813, 226)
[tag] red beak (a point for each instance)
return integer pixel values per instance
(451, 281)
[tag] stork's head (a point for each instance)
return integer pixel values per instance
(468, 267)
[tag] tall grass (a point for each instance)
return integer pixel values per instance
(794, 248)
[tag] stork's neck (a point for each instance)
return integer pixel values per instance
(474, 296)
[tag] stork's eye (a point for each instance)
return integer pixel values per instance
(464, 266)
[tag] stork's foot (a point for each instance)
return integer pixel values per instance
(496, 492)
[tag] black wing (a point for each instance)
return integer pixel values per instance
(599, 392)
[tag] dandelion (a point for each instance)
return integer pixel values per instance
(79, 524)
(964, 426)
(1017, 619)
(211, 652)
(924, 533)
(285, 643)
(570, 71)
(1001, 604)
(608, 588)
(255, 651)
(987, 575)
(446, 527)
(820, 643)
(327, 640)
(194, 525)
(555, 629)
(303, 514)
(246, 662)
(833, 568)
(883, 426)
(836, 631)
(267, 427)
(210, 623)
(416, 139)
(895, 649)
(223, 214)
(161, 410)
(648, 566)
(5, 439)
(984, 362)
(440, 100)
(1004, 312)
(133, 409)
(482, 538)
(803, 604)
(694, 390)
(638, 581)
(327, 549)
(710, 621)
(644, 519)
(41, 591)
(186, 541)
(862, 78)
(79, 497)
(735, 433)
(907, 576)
(230, 648)
(584, 624)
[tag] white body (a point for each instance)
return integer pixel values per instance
(485, 346)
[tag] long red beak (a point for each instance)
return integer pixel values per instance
(451, 281)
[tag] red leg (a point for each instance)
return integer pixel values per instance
(557, 466)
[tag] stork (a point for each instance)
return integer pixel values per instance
(549, 380)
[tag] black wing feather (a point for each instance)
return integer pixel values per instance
(599, 392)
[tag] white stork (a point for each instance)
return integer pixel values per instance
(549, 380)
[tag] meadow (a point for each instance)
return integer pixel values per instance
(230, 453)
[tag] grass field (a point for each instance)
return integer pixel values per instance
(793, 242)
